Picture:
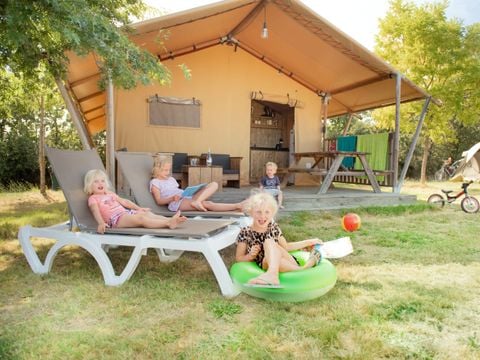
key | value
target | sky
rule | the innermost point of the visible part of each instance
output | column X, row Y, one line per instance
column 358, row 19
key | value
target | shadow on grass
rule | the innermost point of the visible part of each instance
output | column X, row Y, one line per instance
column 75, row 262
column 26, row 207
column 38, row 215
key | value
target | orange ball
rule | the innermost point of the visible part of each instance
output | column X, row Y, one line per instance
column 351, row 222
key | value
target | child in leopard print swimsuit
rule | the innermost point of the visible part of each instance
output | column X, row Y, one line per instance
column 264, row 243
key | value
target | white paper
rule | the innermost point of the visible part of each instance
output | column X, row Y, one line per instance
column 338, row 248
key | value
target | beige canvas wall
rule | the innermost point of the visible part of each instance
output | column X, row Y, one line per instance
column 222, row 80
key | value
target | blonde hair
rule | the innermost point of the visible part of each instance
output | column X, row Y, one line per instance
column 272, row 164
column 261, row 200
column 159, row 162
column 155, row 171
column 90, row 177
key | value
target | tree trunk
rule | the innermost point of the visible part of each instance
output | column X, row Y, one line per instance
column 41, row 149
column 426, row 153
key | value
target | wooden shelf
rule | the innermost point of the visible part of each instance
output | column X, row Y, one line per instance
column 265, row 126
column 266, row 122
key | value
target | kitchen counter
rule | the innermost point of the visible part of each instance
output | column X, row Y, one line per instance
column 259, row 156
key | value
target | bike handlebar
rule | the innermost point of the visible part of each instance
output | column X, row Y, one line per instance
column 465, row 185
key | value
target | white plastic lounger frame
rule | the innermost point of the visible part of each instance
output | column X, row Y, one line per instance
column 205, row 236
column 95, row 245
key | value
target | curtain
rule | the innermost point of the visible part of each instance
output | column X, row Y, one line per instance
column 347, row 143
column 170, row 111
column 377, row 147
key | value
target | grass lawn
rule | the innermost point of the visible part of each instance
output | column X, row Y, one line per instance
column 410, row 290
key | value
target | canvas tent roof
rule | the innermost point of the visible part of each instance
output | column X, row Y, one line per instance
column 301, row 45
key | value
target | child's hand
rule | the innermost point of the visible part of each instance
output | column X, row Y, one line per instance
column 143, row 209
column 176, row 197
column 313, row 242
column 254, row 250
column 101, row 228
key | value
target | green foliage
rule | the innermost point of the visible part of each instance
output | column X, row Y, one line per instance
column 40, row 33
column 224, row 309
column 440, row 55
column 18, row 155
column 35, row 37
column 100, row 141
column 360, row 124
column 20, row 110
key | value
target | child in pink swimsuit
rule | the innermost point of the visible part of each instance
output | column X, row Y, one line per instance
column 165, row 191
column 110, row 210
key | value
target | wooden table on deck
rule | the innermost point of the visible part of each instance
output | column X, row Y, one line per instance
column 328, row 175
column 199, row 174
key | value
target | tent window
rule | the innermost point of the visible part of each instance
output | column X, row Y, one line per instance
column 169, row 111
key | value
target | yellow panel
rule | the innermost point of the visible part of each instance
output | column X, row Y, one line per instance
column 222, row 80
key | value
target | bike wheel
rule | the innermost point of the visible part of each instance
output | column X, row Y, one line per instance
column 470, row 204
column 437, row 200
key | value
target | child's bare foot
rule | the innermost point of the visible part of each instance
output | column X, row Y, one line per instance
column 198, row 205
column 175, row 220
column 281, row 206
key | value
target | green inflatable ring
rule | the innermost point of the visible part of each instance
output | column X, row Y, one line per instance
column 298, row 285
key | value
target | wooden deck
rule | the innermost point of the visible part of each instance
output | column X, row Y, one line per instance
column 305, row 198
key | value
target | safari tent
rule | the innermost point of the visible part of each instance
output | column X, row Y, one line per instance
column 247, row 90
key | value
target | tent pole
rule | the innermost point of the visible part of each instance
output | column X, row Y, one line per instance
column 247, row 19
column 325, row 99
column 110, row 145
column 396, row 138
column 398, row 188
column 76, row 118
column 347, row 125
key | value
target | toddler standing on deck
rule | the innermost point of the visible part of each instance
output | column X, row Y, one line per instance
column 110, row 210
column 270, row 182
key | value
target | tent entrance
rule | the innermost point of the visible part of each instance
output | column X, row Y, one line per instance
column 270, row 127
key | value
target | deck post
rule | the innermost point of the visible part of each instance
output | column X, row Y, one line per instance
column 401, row 179
column 110, row 146
column 347, row 125
column 325, row 100
column 76, row 118
column 396, row 136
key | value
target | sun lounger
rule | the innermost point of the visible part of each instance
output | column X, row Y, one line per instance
column 207, row 236
column 136, row 168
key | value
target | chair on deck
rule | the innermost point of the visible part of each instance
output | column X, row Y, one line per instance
column 70, row 167
column 136, row 168
column 178, row 160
